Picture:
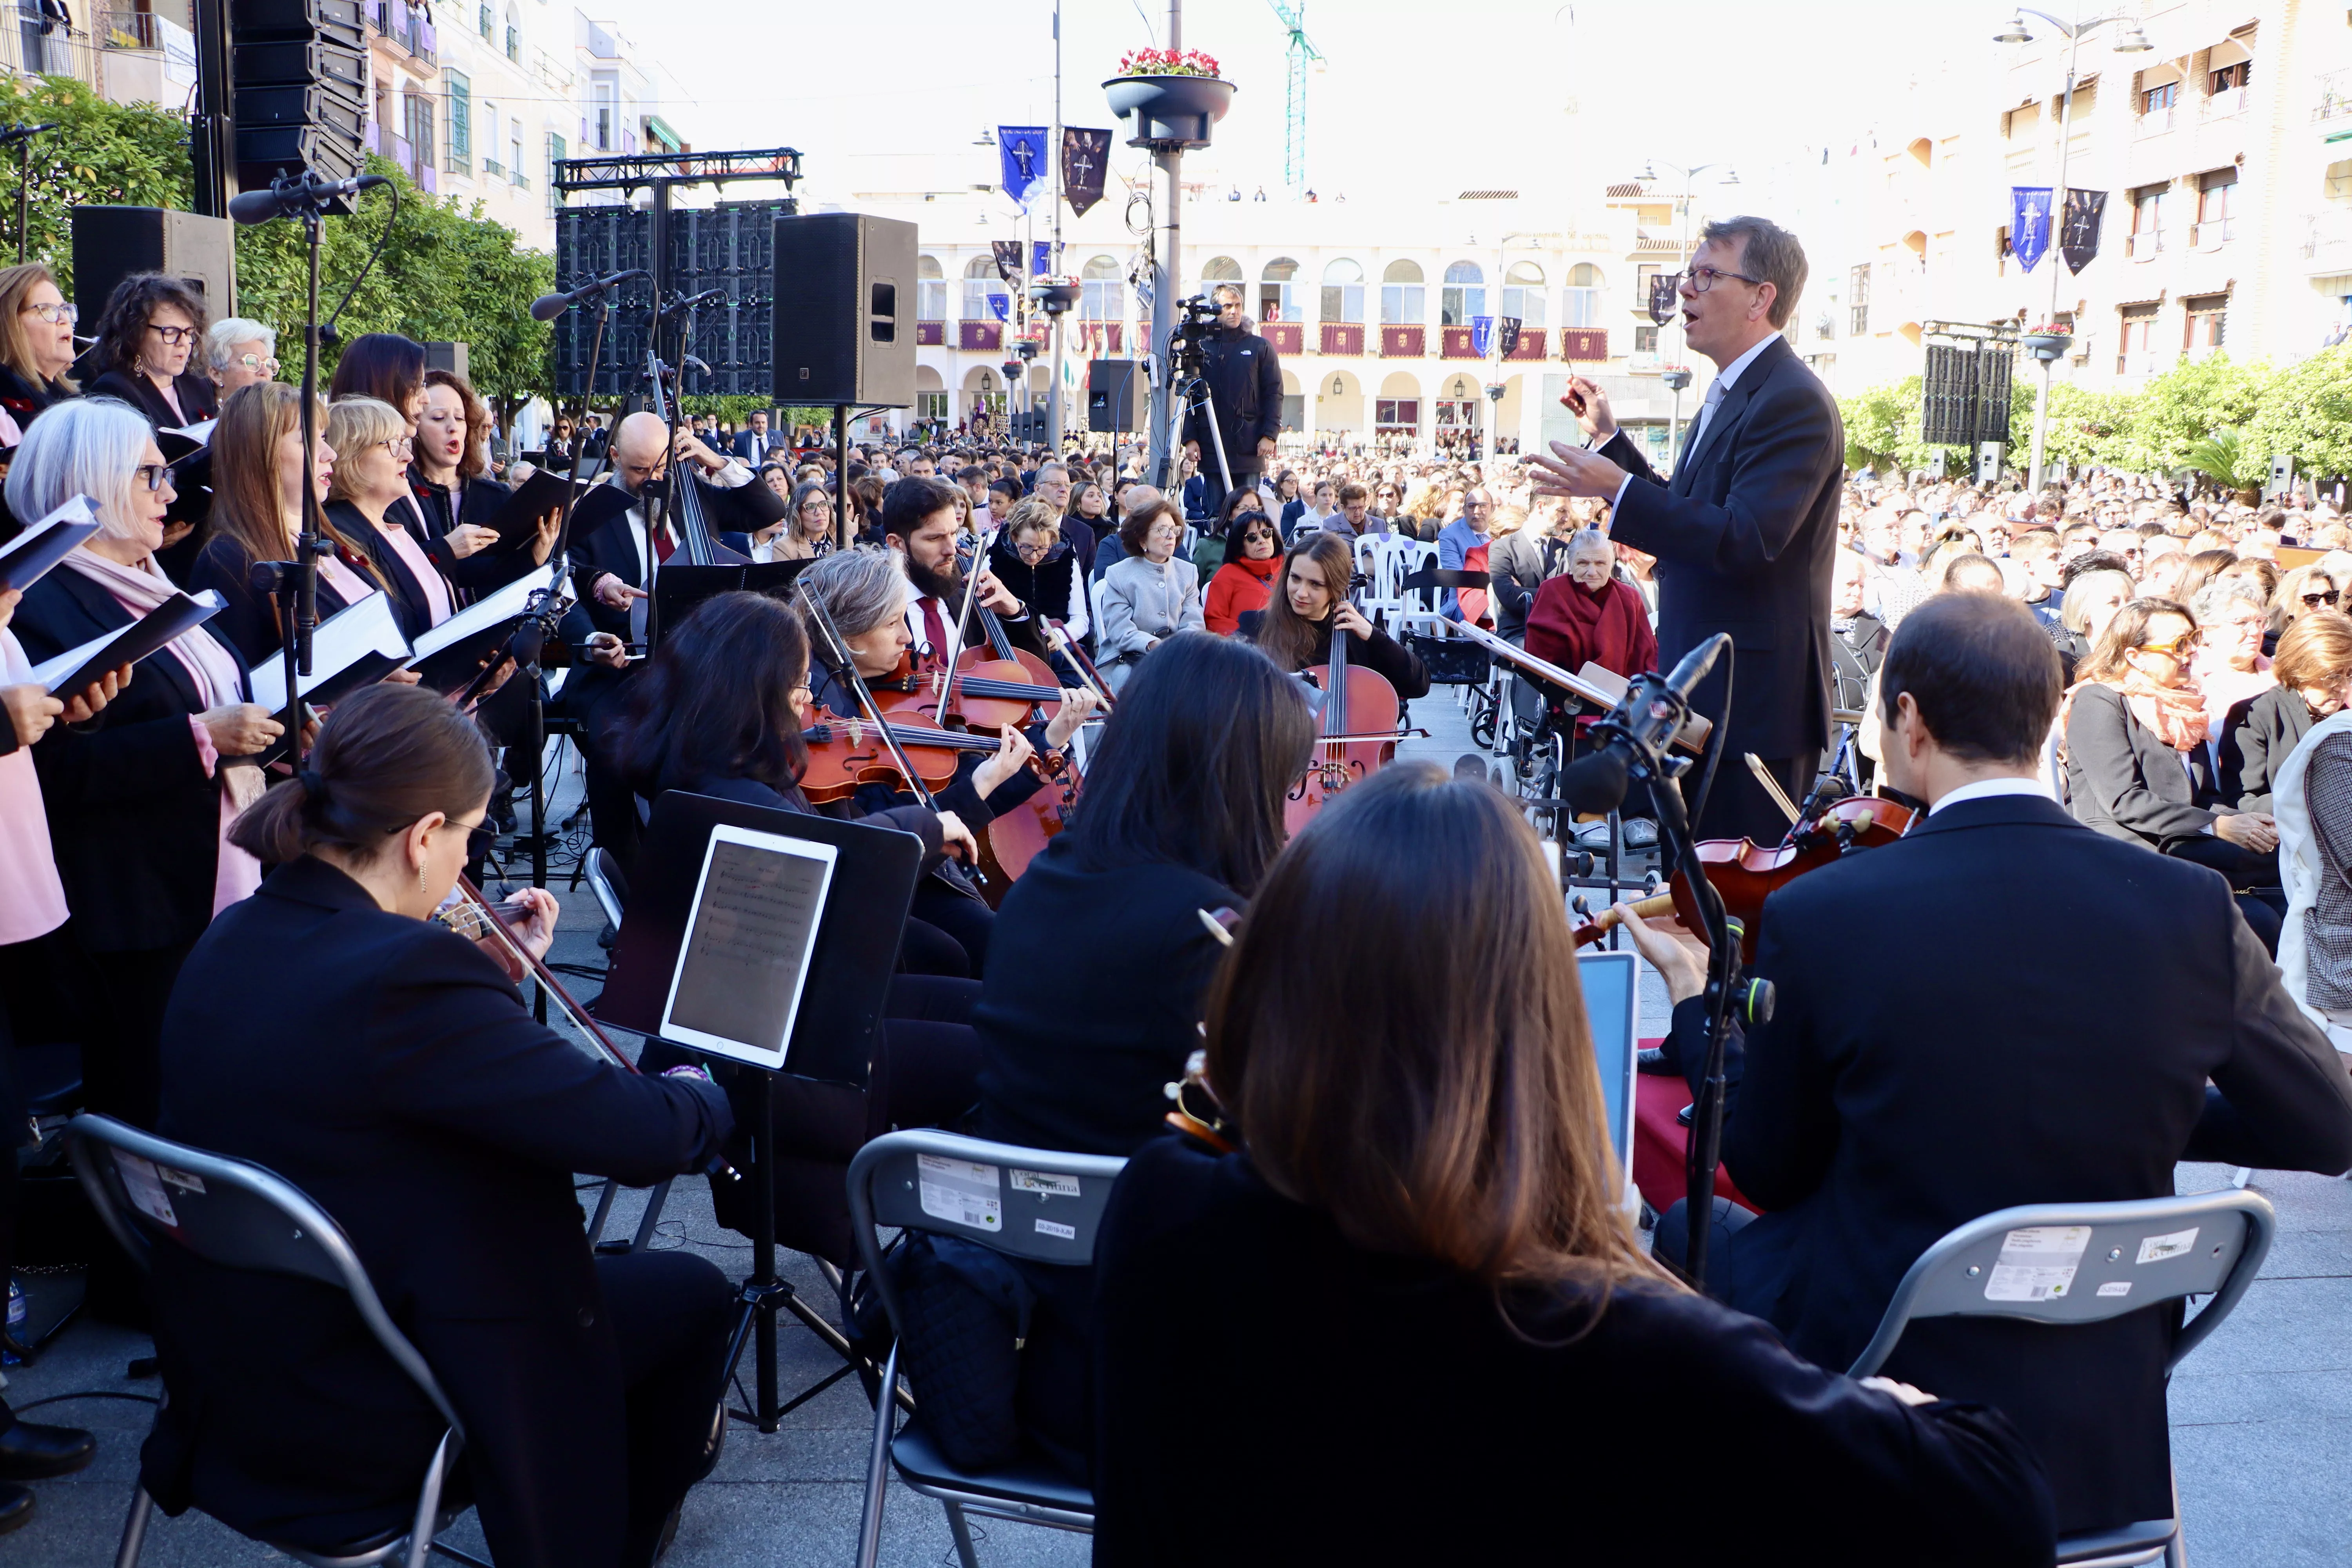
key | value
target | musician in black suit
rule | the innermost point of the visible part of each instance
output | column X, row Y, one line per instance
column 1895, row 1093
column 134, row 798
column 405, row 1087
column 1744, row 530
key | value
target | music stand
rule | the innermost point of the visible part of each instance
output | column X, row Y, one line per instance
column 680, row 585
column 871, row 888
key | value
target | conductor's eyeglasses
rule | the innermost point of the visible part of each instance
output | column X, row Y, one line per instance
column 1703, row 279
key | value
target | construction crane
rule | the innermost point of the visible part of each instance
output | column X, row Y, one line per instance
column 1293, row 14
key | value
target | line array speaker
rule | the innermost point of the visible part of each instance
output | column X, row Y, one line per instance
column 301, row 74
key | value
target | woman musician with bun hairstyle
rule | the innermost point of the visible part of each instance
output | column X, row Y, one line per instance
column 404, row 1085
column 1424, row 1184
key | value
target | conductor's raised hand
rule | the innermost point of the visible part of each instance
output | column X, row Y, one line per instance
column 1571, row 471
column 1585, row 399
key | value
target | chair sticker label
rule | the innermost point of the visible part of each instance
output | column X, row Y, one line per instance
column 2038, row 1263
column 960, row 1192
column 190, row 1183
column 2156, row 1249
column 144, row 1188
column 1045, row 1182
column 1065, row 1232
column 2116, row 1287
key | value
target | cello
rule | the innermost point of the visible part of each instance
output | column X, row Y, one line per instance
column 1356, row 732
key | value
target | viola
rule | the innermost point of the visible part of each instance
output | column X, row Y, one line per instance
column 845, row 753
column 1744, row 873
column 1019, row 836
column 1593, row 927
column 1355, row 735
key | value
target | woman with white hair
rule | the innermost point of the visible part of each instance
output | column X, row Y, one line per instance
column 240, row 353
column 139, row 801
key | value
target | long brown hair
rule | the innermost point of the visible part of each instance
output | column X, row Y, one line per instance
column 1448, row 1108
column 2127, row 632
column 385, row 758
column 246, row 502
column 1286, row 639
column 475, row 461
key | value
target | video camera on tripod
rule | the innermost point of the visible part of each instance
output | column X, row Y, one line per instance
column 1194, row 319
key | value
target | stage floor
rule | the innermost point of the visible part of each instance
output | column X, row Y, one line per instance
column 2262, row 1413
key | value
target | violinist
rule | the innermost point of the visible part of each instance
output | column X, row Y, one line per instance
column 866, row 594
column 919, row 529
column 405, row 1087
column 1309, row 600
column 1886, row 1101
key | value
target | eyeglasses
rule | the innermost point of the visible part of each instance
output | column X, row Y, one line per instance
column 2315, row 600
column 154, row 475
column 398, row 446
column 259, row 363
column 55, row 315
column 2178, row 647
column 1032, row 554
column 172, row 336
column 1703, row 280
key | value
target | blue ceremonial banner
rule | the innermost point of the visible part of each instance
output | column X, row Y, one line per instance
column 1482, row 335
column 1041, row 258
column 1000, row 303
column 1021, row 149
column 2029, row 227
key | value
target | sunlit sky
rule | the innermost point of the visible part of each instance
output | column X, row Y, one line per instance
column 1430, row 95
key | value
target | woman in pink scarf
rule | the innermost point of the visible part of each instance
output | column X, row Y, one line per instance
column 138, row 801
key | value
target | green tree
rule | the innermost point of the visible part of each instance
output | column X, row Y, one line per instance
column 1883, row 426
column 100, row 155
column 2308, row 416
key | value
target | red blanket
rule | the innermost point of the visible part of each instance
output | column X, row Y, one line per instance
column 1567, row 625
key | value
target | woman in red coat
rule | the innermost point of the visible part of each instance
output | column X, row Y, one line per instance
column 1253, row 555
column 1588, row 614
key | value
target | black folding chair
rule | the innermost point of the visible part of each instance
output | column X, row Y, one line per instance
column 1047, row 1207
column 2124, row 1256
column 152, row 1193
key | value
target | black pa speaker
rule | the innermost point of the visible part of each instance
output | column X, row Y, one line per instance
column 110, row 243
column 1110, row 395
column 301, row 70
column 844, row 310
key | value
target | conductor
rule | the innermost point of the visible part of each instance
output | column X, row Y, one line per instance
column 1745, row 531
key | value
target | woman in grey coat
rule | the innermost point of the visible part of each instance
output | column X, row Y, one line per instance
column 1149, row 594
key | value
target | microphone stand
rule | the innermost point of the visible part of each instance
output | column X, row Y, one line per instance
column 298, row 586
column 22, row 136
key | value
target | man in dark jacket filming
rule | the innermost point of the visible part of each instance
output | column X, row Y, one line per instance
column 1245, row 380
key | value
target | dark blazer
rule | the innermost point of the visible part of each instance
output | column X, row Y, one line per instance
column 410, row 607
column 1074, row 1052
column 751, row 445
column 403, row 1087
column 2122, row 779
column 250, row 622
column 608, row 547
column 24, row 397
column 1874, row 1117
column 1245, row 376
column 1553, row 1414
column 1744, row 535
column 2255, row 740
column 1516, row 565
column 134, row 821
column 482, row 495
column 199, row 398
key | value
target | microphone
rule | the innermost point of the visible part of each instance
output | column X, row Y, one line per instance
column 547, row 307
column 284, row 197
column 1639, row 729
column 18, row 132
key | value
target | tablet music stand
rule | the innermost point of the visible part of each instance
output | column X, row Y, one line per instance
column 833, row 1037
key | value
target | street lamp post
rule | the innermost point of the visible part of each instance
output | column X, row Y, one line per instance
column 2133, row 41
column 1679, row 376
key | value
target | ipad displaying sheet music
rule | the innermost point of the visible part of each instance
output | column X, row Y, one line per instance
column 749, row 934
column 1612, row 1006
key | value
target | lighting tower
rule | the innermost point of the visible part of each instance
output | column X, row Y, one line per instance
column 1293, row 14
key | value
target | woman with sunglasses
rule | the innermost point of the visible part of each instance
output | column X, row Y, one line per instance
column 2137, row 766
column 36, row 346
column 1243, row 582
column 2300, row 592
column 139, row 803
column 404, row 1086
column 149, row 329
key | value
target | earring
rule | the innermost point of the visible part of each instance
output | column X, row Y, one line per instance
column 420, row 879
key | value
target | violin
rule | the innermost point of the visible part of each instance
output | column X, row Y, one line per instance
column 1744, row 874
column 845, row 753
column 1354, row 733
column 1593, row 927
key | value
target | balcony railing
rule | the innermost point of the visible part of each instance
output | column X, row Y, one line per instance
column 2334, row 95
column 2142, row 362
column 2154, row 124
column 493, row 170
column 2211, row 234
column 403, row 24
column 2222, row 105
column 2328, row 241
column 2145, row 246
column 27, row 50
column 520, row 180
column 128, row 30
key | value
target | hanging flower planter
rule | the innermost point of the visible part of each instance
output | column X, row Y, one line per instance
column 1057, row 295
column 2048, row 345
column 1169, row 97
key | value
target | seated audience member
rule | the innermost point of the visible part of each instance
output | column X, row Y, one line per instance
column 1253, row 556
column 1588, row 616
column 1417, row 1177
column 1876, row 1109
column 2312, row 807
column 2313, row 671
column 1030, row 559
column 405, row 1087
column 1149, row 594
column 2138, row 766
column 2230, row 668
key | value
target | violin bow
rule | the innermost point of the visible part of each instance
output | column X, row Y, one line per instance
column 845, row 669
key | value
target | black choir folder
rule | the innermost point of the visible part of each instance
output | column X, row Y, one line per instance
column 716, row 945
column 452, row 653
column 76, row 667
column 27, row 558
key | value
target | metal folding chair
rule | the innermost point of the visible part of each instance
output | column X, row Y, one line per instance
column 2103, row 1260
column 1047, row 1207
column 154, row 1193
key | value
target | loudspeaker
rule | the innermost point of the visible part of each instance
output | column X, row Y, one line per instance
column 844, row 310
column 451, row 357
column 300, row 72
column 1989, row 463
column 1110, row 395
column 111, row 243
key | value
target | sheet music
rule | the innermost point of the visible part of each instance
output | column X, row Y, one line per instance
column 505, row 605
column 337, row 643
column 745, row 959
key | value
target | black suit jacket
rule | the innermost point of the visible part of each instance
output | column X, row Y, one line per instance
column 404, row 1085
column 134, row 821
column 1744, row 535
column 199, row 398
column 1890, row 1100
column 2255, row 740
column 410, row 607
column 2122, row 779
column 1533, row 1408
column 1518, row 565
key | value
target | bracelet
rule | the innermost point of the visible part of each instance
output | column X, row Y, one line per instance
column 686, row 1071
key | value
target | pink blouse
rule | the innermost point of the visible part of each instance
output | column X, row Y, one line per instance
column 32, row 900
column 404, row 544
